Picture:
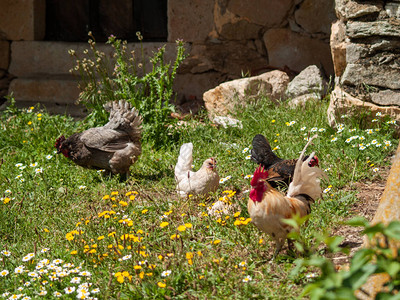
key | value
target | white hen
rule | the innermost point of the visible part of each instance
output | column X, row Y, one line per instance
column 205, row 180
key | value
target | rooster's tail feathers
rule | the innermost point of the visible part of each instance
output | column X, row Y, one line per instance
column 185, row 159
column 306, row 179
column 124, row 117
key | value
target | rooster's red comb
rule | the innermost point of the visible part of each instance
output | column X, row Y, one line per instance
column 259, row 173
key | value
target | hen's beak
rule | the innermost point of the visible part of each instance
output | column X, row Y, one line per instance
column 213, row 165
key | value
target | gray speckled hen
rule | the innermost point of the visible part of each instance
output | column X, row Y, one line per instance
column 113, row 147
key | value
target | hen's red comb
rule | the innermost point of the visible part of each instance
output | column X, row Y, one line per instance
column 59, row 142
column 259, row 173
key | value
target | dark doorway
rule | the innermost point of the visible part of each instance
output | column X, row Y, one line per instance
column 71, row 20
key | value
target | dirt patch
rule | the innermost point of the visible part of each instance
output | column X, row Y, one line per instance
column 369, row 194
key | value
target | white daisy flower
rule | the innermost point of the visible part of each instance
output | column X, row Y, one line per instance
column 165, row 273
column 49, row 156
column 247, row 278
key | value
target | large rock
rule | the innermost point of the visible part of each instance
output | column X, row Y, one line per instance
column 343, row 103
column 388, row 210
column 308, row 84
column 191, row 21
column 351, row 9
column 316, row 16
column 289, row 49
column 232, row 94
column 22, row 19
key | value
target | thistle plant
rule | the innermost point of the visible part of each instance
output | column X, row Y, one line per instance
column 125, row 76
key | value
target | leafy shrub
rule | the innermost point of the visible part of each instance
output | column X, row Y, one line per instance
column 124, row 77
column 375, row 259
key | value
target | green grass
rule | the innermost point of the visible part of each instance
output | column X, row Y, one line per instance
column 111, row 228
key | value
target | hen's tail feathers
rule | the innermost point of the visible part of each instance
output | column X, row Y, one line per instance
column 306, row 179
column 185, row 160
column 262, row 152
column 124, row 117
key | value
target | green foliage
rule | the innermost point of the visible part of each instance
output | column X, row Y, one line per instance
column 126, row 76
column 48, row 202
column 374, row 259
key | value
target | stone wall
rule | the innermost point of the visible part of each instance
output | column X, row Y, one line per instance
column 231, row 38
column 365, row 44
column 226, row 39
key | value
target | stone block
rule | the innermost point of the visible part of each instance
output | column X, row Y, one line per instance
column 357, row 29
column 268, row 13
column 351, row 9
column 31, row 58
column 289, row 49
column 374, row 75
column 342, row 103
column 316, row 16
column 338, row 47
column 23, row 19
column 191, row 21
column 45, row 90
column 4, row 54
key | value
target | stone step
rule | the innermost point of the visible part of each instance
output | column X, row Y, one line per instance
column 57, row 94
column 33, row 58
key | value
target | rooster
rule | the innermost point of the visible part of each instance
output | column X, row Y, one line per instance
column 268, row 207
column 280, row 171
column 113, row 147
column 205, row 180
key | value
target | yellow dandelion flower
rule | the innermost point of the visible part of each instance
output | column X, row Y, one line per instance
column 216, row 242
column 144, row 211
column 141, row 275
column 161, row 284
column 137, row 267
column 174, row 236
column 188, row 225
column 160, row 257
column 114, row 193
column 164, row 224
column 73, row 252
column 182, row 228
column 100, row 238
column 123, row 203
column 46, row 230
column 112, row 233
column 106, row 197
